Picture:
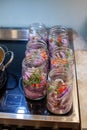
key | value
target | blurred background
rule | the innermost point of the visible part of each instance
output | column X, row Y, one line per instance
column 21, row 13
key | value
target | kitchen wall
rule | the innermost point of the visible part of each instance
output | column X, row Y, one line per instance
column 21, row 13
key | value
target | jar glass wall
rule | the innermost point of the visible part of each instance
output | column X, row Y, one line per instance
column 58, row 37
column 59, row 92
column 62, row 57
column 38, row 52
column 38, row 31
column 34, row 79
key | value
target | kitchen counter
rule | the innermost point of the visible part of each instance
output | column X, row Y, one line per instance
column 81, row 66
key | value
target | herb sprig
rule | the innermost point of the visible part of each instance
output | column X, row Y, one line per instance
column 33, row 79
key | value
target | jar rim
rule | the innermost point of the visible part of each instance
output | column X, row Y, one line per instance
column 59, row 29
column 29, row 63
column 64, row 49
column 39, row 24
column 55, row 72
column 33, row 43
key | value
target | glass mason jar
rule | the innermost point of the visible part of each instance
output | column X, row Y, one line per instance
column 34, row 78
column 38, row 31
column 62, row 57
column 38, row 52
column 59, row 92
column 58, row 37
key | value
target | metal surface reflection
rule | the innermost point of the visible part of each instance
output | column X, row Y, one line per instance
column 21, row 110
column 14, row 34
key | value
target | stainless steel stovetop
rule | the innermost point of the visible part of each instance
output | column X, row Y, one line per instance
column 15, row 109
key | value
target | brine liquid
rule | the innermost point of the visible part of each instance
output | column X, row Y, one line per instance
column 1, row 55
